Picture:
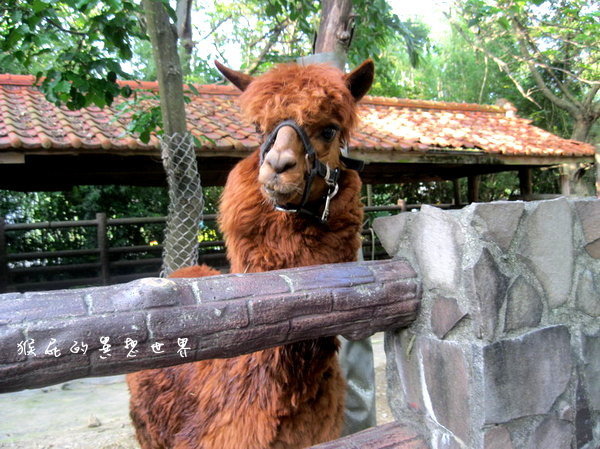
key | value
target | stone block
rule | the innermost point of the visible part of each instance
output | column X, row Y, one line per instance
column 490, row 290
column 584, row 422
column 445, row 315
column 547, row 245
column 524, row 306
column 390, row 230
column 498, row 221
column 438, row 239
column 593, row 249
column 588, row 212
column 524, row 376
column 445, row 368
column 591, row 369
column 588, row 293
column 552, row 433
column 498, row 437
column 403, row 373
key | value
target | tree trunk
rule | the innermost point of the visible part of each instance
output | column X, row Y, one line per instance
column 581, row 132
column 179, row 158
column 336, row 28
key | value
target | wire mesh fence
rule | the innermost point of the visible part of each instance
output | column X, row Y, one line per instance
column 185, row 202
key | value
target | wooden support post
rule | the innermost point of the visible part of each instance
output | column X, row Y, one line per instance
column 3, row 257
column 473, row 194
column 381, row 437
column 174, row 321
column 456, row 189
column 369, row 195
column 103, row 248
column 525, row 182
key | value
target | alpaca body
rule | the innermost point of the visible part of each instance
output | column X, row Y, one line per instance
column 288, row 397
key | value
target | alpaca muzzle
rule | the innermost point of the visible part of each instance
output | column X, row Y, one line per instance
column 314, row 168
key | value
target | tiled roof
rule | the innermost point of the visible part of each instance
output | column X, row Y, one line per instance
column 29, row 123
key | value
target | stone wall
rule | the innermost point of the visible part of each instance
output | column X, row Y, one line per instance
column 506, row 351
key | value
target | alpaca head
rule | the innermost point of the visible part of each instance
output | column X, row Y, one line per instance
column 321, row 100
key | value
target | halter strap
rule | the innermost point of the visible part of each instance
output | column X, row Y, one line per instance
column 318, row 168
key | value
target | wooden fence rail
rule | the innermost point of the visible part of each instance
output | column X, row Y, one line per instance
column 51, row 337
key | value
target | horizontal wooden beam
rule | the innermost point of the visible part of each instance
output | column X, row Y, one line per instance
column 388, row 436
column 52, row 337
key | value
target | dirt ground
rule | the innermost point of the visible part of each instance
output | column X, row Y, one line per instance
column 93, row 413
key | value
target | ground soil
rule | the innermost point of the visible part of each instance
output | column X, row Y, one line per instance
column 93, row 413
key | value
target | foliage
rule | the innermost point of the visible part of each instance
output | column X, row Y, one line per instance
column 76, row 47
column 553, row 44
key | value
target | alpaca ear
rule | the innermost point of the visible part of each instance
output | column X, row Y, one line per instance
column 360, row 79
column 239, row 79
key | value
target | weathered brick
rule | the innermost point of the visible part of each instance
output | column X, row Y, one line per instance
column 40, row 306
column 242, row 341
column 198, row 320
column 219, row 288
column 392, row 270
column 390, row 292
column 137, row 295
column 280, row 308
column 9, row 340
column 517, row 380
column 331, row 324
column 88, row 330
column 37, row 372
column 329, row 276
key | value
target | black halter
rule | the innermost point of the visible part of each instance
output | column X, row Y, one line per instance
column 318, row 168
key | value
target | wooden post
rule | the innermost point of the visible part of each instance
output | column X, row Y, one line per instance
column 103, row 248
column 525, row 182
column 369, row 195
column 473, row 193
column 3, row 258
column 456, row 187
column 565, row 184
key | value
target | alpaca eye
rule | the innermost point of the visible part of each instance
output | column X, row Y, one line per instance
column 329, row 133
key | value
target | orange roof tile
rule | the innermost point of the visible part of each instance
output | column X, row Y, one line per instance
column 29, row 123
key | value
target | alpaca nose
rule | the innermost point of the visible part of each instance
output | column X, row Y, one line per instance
column 281, row 160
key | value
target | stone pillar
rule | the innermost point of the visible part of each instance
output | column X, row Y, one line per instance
column 506, row 351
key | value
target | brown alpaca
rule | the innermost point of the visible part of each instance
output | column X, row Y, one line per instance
column 290, row 396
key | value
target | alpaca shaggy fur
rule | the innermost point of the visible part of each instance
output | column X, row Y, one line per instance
column 290, row 396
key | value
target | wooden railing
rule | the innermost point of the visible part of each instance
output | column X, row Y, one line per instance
column 103, row 263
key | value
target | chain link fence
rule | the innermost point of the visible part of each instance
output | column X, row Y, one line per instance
column 185, row 202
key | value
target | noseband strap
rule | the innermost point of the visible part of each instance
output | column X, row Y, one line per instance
column 315, row 168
